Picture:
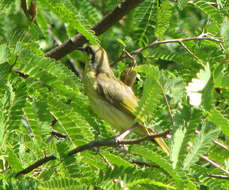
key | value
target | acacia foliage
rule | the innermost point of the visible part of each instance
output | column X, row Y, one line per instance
column 183, row 87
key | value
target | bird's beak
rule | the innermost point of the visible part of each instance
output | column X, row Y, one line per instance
column 81, row 48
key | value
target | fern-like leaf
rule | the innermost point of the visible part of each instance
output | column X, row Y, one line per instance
column 13, row 159
column 150, row 182
column 47, row 71
column 4, row 73
column 116, row 160
column 17, row 104
column 67, row 15
column 164, row 54
column 176, row 145
column 61, row 183
column 160, row 161
column 145, row 15
column 88, row 11
column 200, row 145
column 201, row 174
column 221, row 76
column 4, row 53
column 151, row 93
column 34, row 126
column 182, row 3
column 213, row 13
column 163, row 19
column 5, row 4
column 218, row 119
column 74, row 124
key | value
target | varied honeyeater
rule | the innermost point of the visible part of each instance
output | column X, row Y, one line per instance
column 110, row 98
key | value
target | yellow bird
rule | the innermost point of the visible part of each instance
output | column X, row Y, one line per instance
column 110, row 98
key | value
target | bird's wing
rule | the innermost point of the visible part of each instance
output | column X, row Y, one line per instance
column 117, row 93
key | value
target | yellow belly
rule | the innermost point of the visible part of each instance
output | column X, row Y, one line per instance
column 116, row 118
column 111, row 114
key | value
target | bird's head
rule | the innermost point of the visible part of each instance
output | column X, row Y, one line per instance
column 96, row 59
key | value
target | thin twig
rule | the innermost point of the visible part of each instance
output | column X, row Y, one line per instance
column 131, row 57
column 106, row 160
column 168, row 106
column 214, row 164
column 189, row 51
column 212, row 4
column 221, row 145
column 219, row 176
column 138, row 51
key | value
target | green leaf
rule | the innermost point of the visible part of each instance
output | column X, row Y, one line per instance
column 201, row 145
column 74, row 125
column 149, row 182
column 61, row 183
column 116, row 160
column 145, row 15
column 34, row 126
column 182, row 3
column 163, row 19
column 4, row 53
column 73, row 18
column 161, row 162
column 176, row 145
column 175, row 87
column 13, row 159
column 221, row 76
column 207, row 95
column 216, row 117
column 213, row 13
column 225, row 33
column 17, row 105
column 4, row 73
column 151, row 92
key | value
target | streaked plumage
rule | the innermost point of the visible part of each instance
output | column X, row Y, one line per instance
column 110, row 98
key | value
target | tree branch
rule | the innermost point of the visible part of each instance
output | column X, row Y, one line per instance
column 58, row 134
column 36, row 165
column 111, row 142
column 181, row 40
column 109, row 20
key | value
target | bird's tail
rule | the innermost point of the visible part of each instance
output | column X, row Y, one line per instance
column 142, row 131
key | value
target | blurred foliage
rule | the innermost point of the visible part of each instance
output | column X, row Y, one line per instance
column 181, row 87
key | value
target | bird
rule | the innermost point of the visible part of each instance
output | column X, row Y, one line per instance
column 110, row 98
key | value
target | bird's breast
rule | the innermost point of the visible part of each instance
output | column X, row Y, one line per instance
column 90, row 84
